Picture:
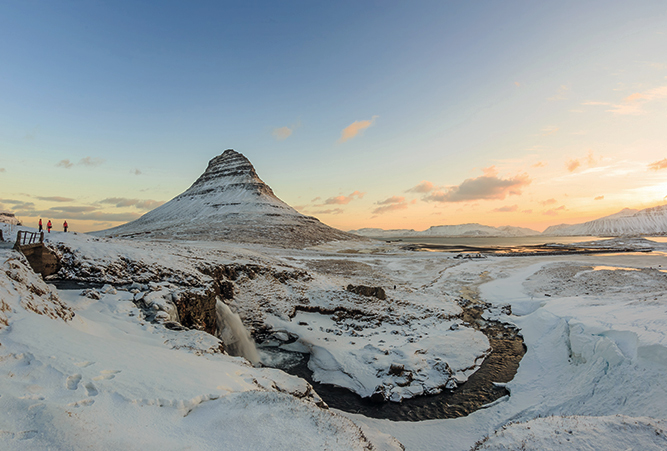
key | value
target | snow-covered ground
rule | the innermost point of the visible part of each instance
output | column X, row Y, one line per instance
column 82, row 373
column 578, row 433
column 596, row 339
column 595, row 327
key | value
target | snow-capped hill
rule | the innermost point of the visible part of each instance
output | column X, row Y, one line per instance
column 375, row 232
column 9, row 218
column 517, row 231
column 650, row 221
column 473, row 229
column 230, row 202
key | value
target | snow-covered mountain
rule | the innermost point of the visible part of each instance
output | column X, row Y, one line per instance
column 473, row 229
column 650, row 221
column 9, row 218
column 230, row 202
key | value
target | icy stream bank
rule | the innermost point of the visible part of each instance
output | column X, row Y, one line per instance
column 483, row 387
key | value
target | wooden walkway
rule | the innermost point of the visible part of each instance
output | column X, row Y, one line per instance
column 26, row 239
column 40, row 257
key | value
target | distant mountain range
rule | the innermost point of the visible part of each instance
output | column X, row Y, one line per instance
column 230, row 202
column 650, row 221
column 471, row 230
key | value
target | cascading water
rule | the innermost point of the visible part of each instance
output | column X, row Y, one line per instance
column 234, row 335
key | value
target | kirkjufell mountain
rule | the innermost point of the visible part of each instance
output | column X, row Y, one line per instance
column 230, row 202
column 650, row 221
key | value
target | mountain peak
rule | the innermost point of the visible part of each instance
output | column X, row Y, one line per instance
column 230, row 171
column 230, row 202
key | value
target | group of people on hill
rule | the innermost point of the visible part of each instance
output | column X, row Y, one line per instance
column 49, row 226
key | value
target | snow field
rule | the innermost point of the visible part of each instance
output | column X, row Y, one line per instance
column 579, row 433
column 595, row 339
column 107, row 378
column 589, row 356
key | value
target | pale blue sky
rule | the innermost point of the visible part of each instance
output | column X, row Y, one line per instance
column 136, row 97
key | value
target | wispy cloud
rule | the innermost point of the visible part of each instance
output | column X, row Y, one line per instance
column 18, row 204
column 554, row 211
column 332, row 211
column 73, row 209
column 65, row 164
column 355, row 128
column 142, row 204
column 589, row 159
column 561, row 94
column 136, row 172
column 90, row 161
column 657, row 165
column 424, row 187
column 634, row 103
column 483, row 187
column 539, row 164
column 56, row 199
column 599, row 197
column 392, row 200
column 86, row 161
column 391, row 207
column 550, row 130
column 593, row 103
column 491, row 171
column 506, row 209
column 83, row 215
column 344, row 200
column 549, row 202
column 281, row 133
column 391, row 204
column 3, row 170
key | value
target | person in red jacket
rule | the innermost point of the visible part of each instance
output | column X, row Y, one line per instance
column 40, row 225
column 65, row 226
column 48, row 226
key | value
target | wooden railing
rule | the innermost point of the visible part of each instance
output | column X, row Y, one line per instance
column 24, row 238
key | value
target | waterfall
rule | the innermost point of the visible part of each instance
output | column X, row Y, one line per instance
column 234, row 335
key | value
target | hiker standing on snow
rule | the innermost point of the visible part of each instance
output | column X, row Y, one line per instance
column 48, row 226
column 40, row 224
column 65, row 226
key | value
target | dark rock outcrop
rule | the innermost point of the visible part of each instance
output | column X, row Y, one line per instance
column 377, row 292
column 196, row 309
column 42, row 259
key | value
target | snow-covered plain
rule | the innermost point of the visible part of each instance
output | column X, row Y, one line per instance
column 595, row 327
